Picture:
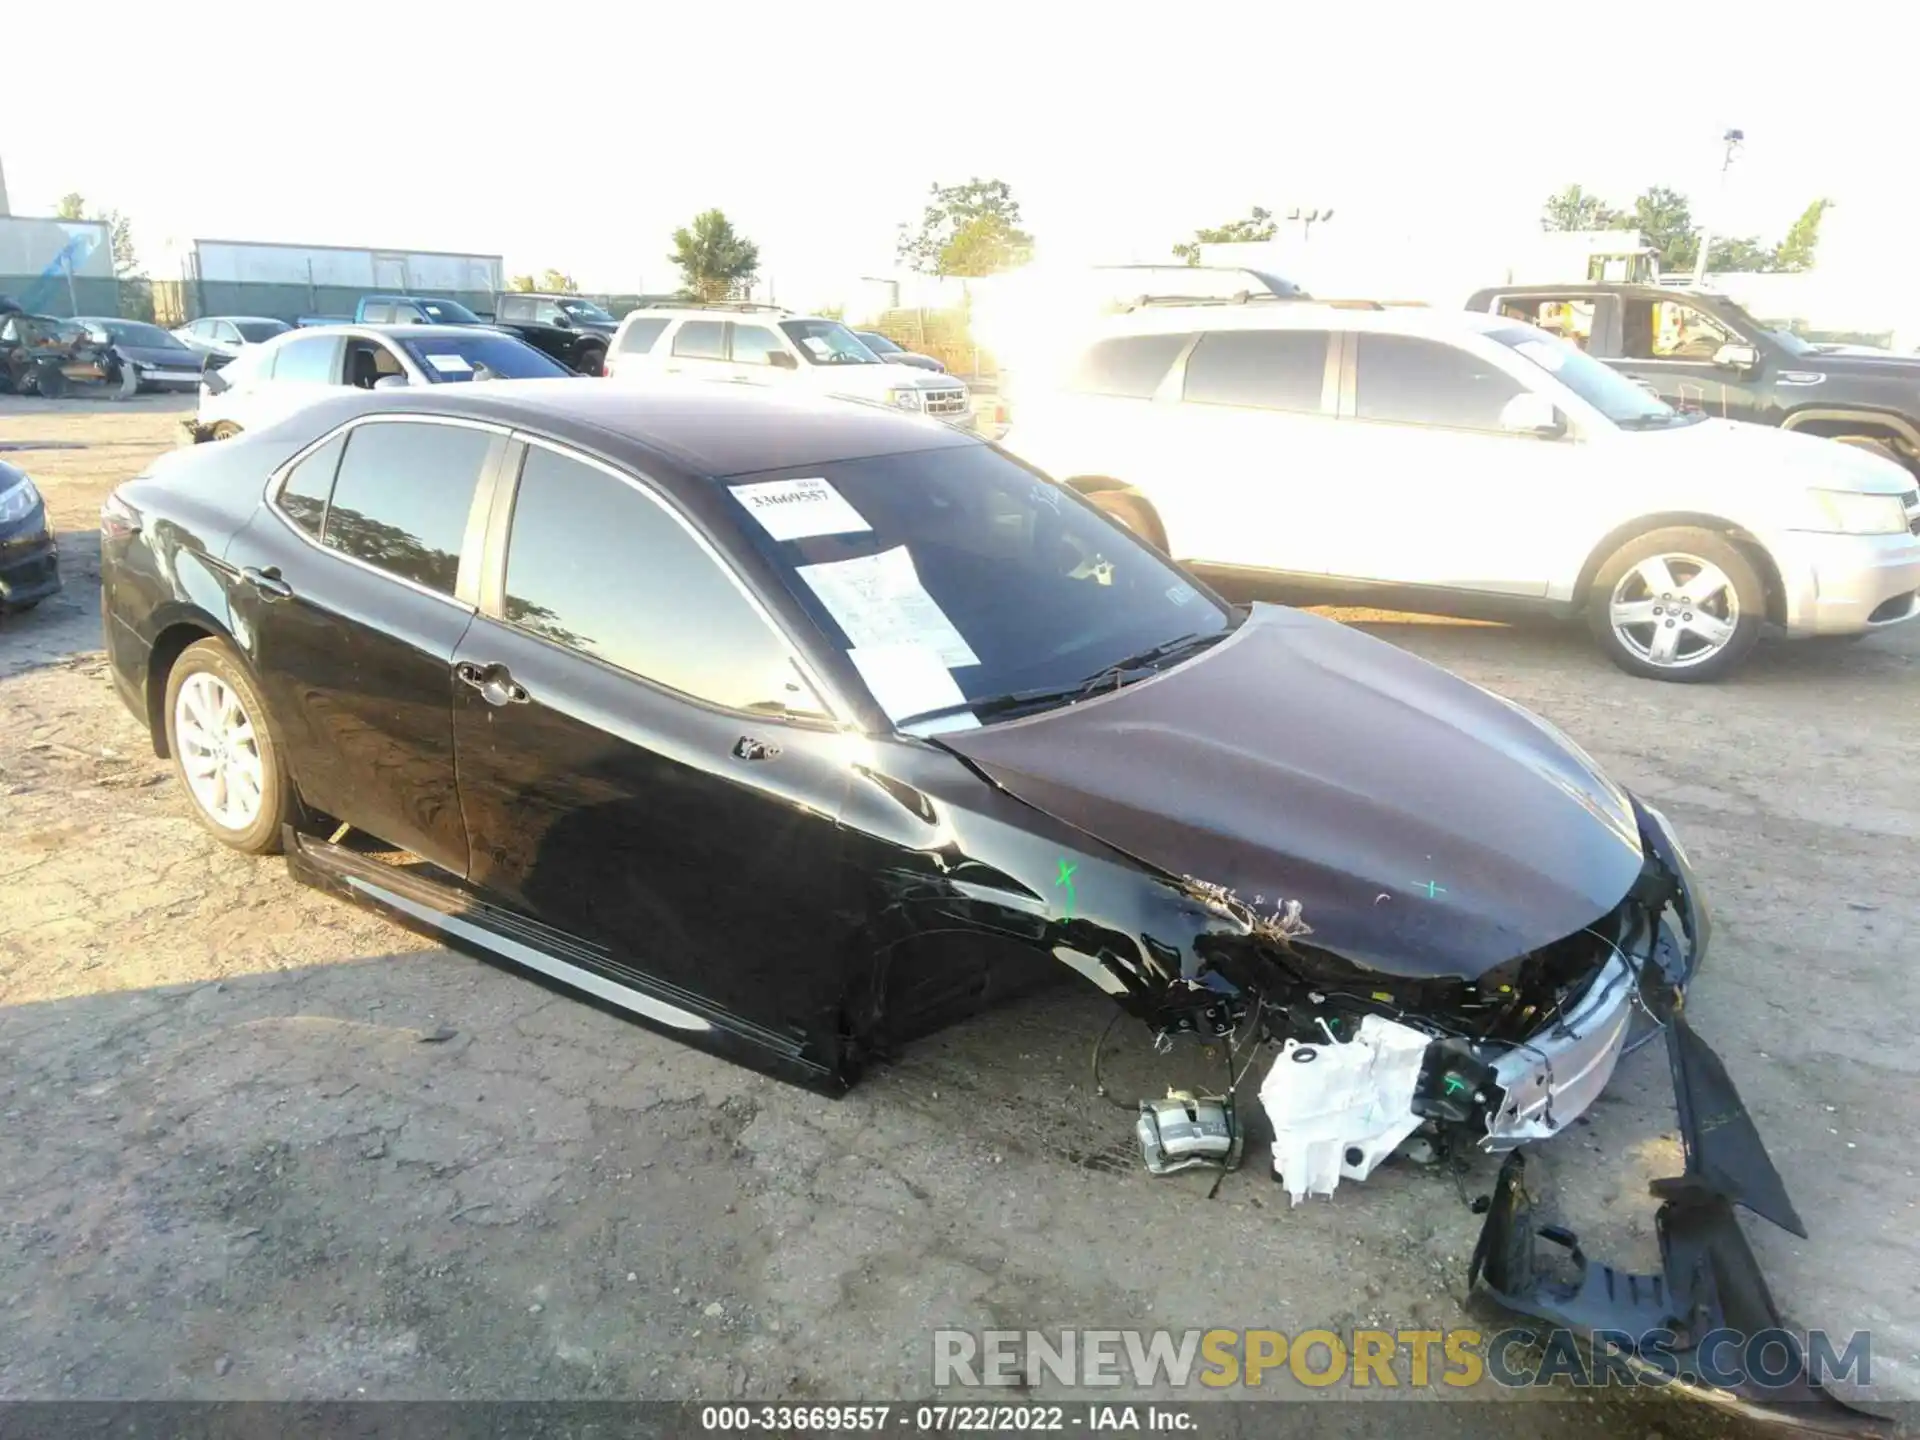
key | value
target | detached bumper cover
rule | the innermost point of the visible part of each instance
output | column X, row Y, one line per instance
column 1709, row 1283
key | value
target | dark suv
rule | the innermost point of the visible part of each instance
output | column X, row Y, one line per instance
column 1701, row 352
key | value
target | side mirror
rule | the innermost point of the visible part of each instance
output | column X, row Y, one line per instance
column 781, row 360
column 391, row 382
column 1531, row 414
column 563, row 320
column 1736, row 357
column 216, row 383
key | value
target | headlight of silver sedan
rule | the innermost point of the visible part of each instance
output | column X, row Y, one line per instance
column 1855, row 512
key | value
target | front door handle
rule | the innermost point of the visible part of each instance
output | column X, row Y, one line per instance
column 494, row 682
column 267, row 581
column 748, row 748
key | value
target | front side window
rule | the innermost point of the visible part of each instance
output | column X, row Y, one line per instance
column 598, row 566
column 586, row 311
column 253, row 331
column 303, row 497
column 308, row 360
column 446, row 312
column 1129, row 366
column 701, row 340
column 1671, row 330
column 1264, row 369
column 400, row 502
column 754, row 344
column 828, row 342
column 639, row 336
column 1412, row 381
column 970, row 569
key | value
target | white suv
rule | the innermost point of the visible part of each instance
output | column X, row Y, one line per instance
column 765, row 345
column 1470, row 464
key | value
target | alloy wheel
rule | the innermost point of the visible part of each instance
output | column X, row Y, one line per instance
column 1674, row 611
column 219, row 751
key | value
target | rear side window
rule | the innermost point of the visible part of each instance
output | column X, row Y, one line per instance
column 1422, row 382
column 599, row 567
column 377, row 314
column 309, row 359
column 303, row 499
column 1131, row 366
column 701, row 340
column 514, row 307
column 638, row 337
column 752, row 344
column 400, row 501
column 1263, row 369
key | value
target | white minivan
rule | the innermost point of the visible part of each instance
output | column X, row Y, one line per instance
column 752, row 344
column 1469, row 464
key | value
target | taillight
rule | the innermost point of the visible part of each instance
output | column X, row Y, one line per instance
column 118, row 519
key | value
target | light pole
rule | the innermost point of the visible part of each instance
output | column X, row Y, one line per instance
column 1732, row 140
column 1308, row 219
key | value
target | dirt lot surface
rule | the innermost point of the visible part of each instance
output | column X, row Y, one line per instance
column 260, row 1144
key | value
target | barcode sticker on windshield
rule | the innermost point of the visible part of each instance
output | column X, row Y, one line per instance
column 796, row 509
column 450, row 364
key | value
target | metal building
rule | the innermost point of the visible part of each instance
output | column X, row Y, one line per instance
column 58, row 267
column 245, row 277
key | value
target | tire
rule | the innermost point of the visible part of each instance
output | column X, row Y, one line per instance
column 225, row 755
column 1134, row 513
column 1652, row 578
column 1877, row 446
column 592, row 362
column 224, row 430
column 49, row 380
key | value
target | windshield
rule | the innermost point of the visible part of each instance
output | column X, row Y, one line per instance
column 255, row 331
column 1615, row 396
column 138, row 334
column 587, row 310
column 956, row 575
column 454, row 358
column 828, row 342
column 448, row 312
column 1794, row 345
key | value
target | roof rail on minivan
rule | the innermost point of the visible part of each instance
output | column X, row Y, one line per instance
column 718, row 305
column 1243, row 297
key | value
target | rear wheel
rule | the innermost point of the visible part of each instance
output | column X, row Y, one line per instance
column 1133, row 512
column 223, row 748
column 1683, row 604
column 225, row 430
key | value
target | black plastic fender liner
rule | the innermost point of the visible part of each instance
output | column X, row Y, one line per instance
column 1725, row 1155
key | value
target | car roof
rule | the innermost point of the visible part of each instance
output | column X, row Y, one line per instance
column 766, row 316
column 250, row 319
column 397, row 332
column 1602, row 287
column 701, row 429
column 1303, row 315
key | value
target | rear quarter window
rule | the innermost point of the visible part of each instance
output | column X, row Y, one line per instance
column 1128, row 366
column 638, row 337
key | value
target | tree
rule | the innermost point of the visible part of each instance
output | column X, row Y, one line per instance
column 715, row 261
column 1574, row 209
column 1796, row 251
column 970, row 229
column 551, row 282
column 1665, row 218
column 1259, row 225
column 522, row 284
column 1745, row 254
column 126, row 261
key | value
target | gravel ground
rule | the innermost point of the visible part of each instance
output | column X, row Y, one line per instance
column 260, row 1144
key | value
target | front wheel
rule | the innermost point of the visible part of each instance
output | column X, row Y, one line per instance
column 592, row 362
column 1683, row 604
column 224, row 752
column 225, row 430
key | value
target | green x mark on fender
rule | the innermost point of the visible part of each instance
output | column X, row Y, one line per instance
column 1066, row 879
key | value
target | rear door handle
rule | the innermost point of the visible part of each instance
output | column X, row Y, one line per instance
column 267, row 581
column 494, row 682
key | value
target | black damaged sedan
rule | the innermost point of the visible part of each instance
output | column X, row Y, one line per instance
column 797, row 728
column 29, row 554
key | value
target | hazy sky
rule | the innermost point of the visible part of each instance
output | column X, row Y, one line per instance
column 580, row 135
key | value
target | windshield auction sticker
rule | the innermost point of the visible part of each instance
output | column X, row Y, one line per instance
column 796, row 509
column 879, row 601
column 450, row 364
column 909, row 680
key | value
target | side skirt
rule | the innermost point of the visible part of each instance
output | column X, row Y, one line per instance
column 446, row 911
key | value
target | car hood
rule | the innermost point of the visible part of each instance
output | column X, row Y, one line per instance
column 1428, row 827
column 1784, row 455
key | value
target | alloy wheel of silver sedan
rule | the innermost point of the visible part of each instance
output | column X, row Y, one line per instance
column 1674, row 611
column 219, row 751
